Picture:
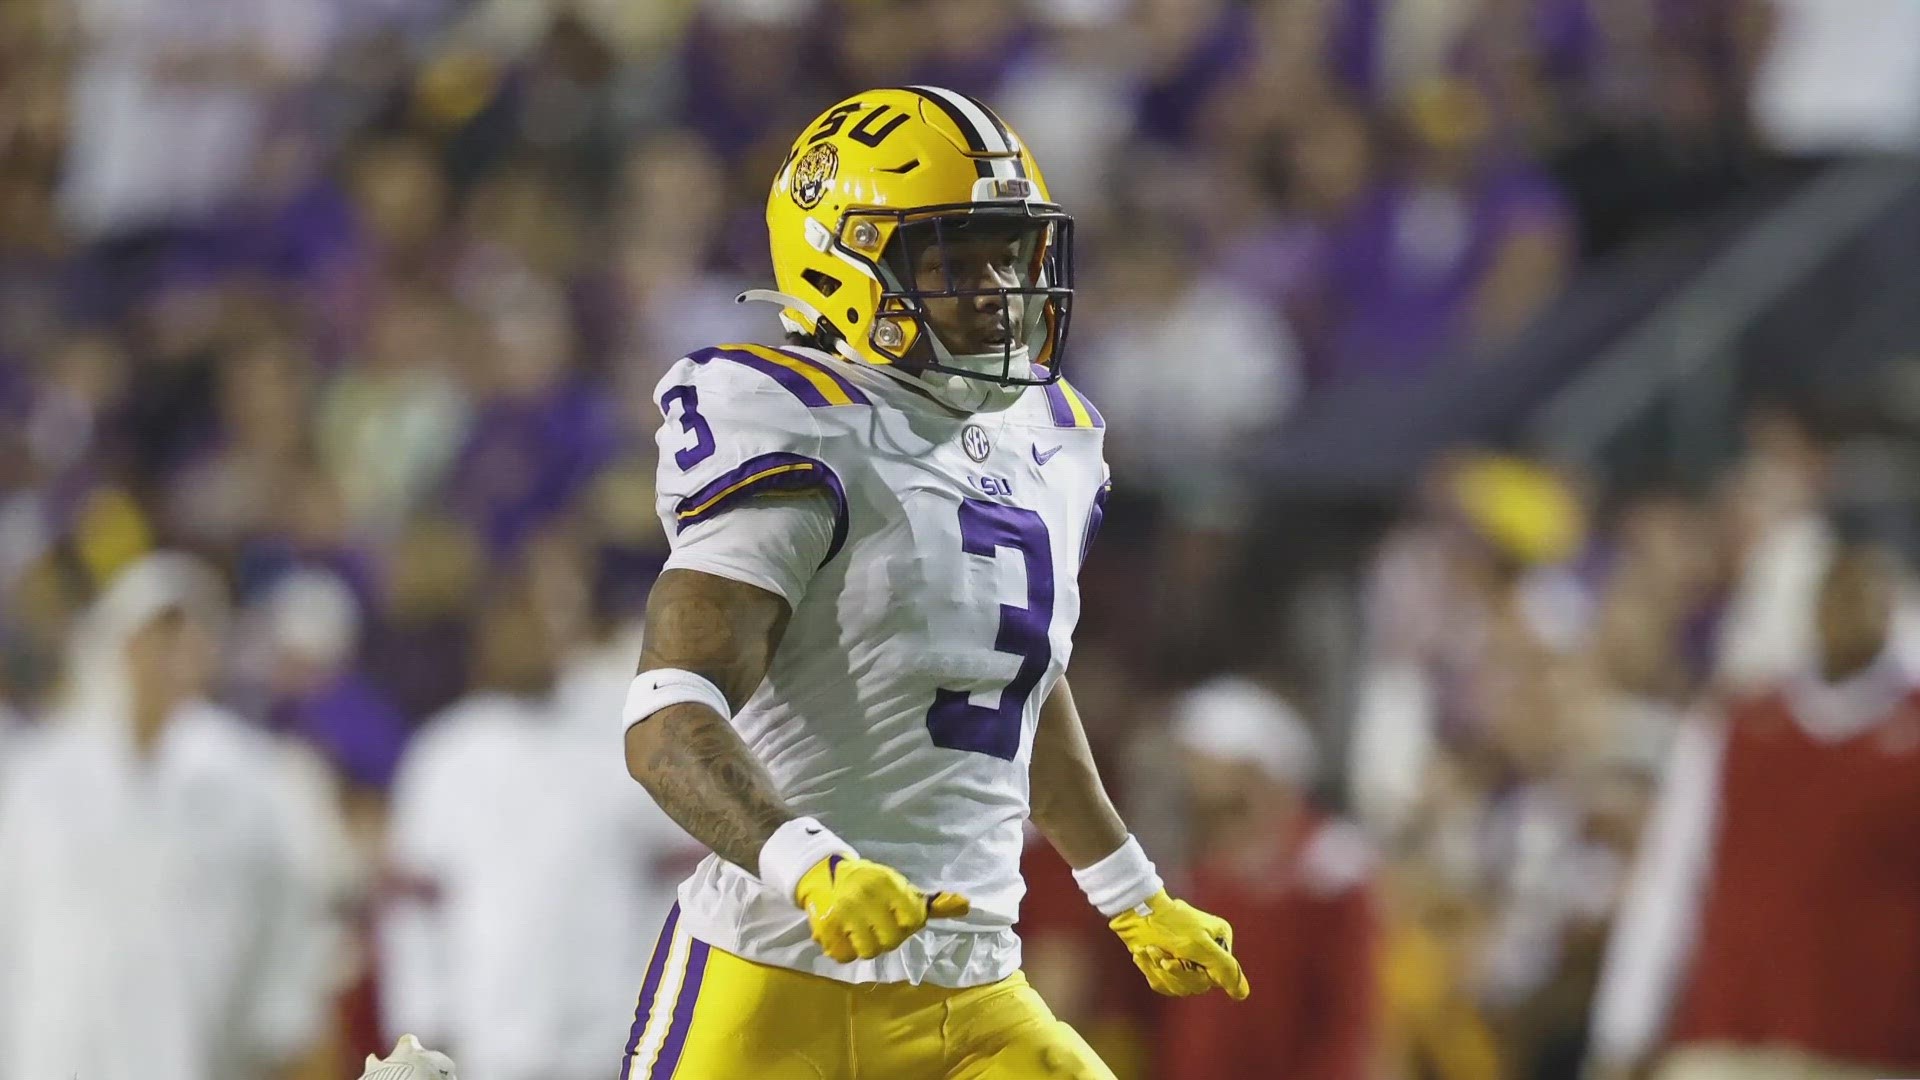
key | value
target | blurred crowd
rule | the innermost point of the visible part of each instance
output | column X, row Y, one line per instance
column 1532, row 651
column 353, row 307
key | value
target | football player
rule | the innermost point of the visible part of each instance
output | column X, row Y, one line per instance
column 851, row 684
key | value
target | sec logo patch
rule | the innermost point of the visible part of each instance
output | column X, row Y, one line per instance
column 812, row 172
column 973, row 439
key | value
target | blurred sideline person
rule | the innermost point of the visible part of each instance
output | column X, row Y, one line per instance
column 12, row 729
column 529, row 872
column 316, row 689
column 1773, row 929
column 1296, row 883
column 593, row 677
column 163, row 902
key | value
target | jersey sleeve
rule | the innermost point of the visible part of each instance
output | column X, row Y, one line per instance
column 770, row 544
column 1097, row 512
column 1653, row 936
column 739, row 431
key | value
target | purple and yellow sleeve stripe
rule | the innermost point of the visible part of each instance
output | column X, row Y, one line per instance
column 1070, row 408
column 815, row 383
column 764, row 474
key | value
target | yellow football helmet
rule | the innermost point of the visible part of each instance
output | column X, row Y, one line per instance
column 907, row 167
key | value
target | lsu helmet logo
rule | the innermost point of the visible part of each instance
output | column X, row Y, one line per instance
column 811, row 173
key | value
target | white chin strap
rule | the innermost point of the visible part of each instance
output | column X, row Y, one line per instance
column 976, row 395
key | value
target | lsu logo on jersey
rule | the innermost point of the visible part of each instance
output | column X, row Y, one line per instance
column 994, row 485
column 811, row 173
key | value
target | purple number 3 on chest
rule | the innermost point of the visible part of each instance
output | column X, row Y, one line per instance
column 956, row 723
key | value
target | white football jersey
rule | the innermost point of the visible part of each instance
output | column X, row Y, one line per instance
column 901, row 705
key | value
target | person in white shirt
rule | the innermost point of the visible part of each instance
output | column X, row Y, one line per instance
column 1839, row 77
column 163, row 909
column 11, row 729
column 529, row 872
column 171, row 101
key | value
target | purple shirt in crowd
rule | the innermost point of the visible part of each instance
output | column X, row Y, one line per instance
column 1394, row 284
column 350, row 722
column 528, row 459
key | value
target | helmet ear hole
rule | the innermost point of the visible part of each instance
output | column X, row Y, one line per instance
column 826, row 283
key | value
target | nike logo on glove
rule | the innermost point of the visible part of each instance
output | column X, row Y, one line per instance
column 1041, row 457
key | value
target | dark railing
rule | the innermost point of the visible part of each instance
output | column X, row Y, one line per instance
column 1371, row 441
column 1804, row 307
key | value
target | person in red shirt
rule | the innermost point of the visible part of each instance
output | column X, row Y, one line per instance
column 1070, row 957
column 1773, row 929
column 1297, row 886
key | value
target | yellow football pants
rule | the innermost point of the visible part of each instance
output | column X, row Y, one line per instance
column 706, row 1014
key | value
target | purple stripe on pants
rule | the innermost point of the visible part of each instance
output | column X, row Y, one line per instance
column 676, row 1043
column 649, row 988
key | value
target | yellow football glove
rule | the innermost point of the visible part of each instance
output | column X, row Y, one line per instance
column 1181, row 950
column 859, row 909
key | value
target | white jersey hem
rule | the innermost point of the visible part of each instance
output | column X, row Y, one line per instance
column 716, row 908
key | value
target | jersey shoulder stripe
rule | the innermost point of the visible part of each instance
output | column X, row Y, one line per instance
column 766, row 474
column 814, row 383
column 1071, row 408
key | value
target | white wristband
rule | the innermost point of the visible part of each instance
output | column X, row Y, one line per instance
column 1122, row 880
column 651, row 691
column 795, row 848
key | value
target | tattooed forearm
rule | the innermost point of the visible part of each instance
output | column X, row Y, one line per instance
column 695, row 766
column 687, row 756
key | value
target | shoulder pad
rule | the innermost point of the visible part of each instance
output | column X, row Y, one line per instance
column 813, row 382
column 738, row 423
column 1070, row 408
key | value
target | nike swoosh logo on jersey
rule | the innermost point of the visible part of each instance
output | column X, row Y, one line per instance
column 1041, row 457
